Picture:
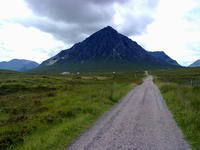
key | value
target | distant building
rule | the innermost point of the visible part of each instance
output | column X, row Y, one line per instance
column 65, row 73
column 78, row 73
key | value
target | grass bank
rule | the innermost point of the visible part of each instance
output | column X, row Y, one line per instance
column 47, row 112
column 181, row 90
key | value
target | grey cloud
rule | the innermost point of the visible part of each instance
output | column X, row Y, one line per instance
column 136, row 25
column 78, row 11
column 136, row 22
column 73, row 20
column 69, row 33
column 152, row 3
column 70, row 20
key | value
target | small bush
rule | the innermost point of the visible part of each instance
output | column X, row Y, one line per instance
column 11, row 88
column 90, row 110
column 10, row 138
column 167, row 87
column 51, row 119
column 17, row 118
column 67, row 114
column 51, row 94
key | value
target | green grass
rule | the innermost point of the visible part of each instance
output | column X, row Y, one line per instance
column 47, row 112
column 99, row 66
column 181, row 90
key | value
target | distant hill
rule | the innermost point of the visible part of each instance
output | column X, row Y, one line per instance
column 18, row 65
column 106, row 51
column 163, row 57
column 195, row 64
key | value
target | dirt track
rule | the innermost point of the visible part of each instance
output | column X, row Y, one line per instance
column 139, row 122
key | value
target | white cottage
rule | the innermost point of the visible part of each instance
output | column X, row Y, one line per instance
column 65, row 73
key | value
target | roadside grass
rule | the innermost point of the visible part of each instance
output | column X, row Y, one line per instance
column 183, row 99
column 47, row 112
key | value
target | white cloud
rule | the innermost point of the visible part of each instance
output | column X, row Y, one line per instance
column 10, row 9
column 18, row 41
column 133, row 18
column 168, row 25
column 172, row 32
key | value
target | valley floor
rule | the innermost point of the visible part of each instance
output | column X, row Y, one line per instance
column 47, row 112
column 140, row 122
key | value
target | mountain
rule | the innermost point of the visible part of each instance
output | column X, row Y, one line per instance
column 163, row 57
column 106, row 51
column 195, row 64
column 18, row 65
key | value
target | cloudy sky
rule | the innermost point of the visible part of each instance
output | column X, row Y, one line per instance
column 37, row 30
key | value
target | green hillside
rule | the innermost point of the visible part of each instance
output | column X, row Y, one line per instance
column 101, row 66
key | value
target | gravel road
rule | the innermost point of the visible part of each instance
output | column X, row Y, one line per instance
column 141, row 121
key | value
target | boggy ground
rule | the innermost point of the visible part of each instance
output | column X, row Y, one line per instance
column 46, row 112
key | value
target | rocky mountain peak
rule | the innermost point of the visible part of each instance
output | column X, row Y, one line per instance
column 106, row 50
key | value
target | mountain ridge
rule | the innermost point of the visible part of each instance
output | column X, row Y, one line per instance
column 105, row 50
column 195, row 64
column 163, row 56
column 20, row 65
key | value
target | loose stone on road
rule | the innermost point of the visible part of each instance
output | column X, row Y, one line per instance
column 141, row 121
